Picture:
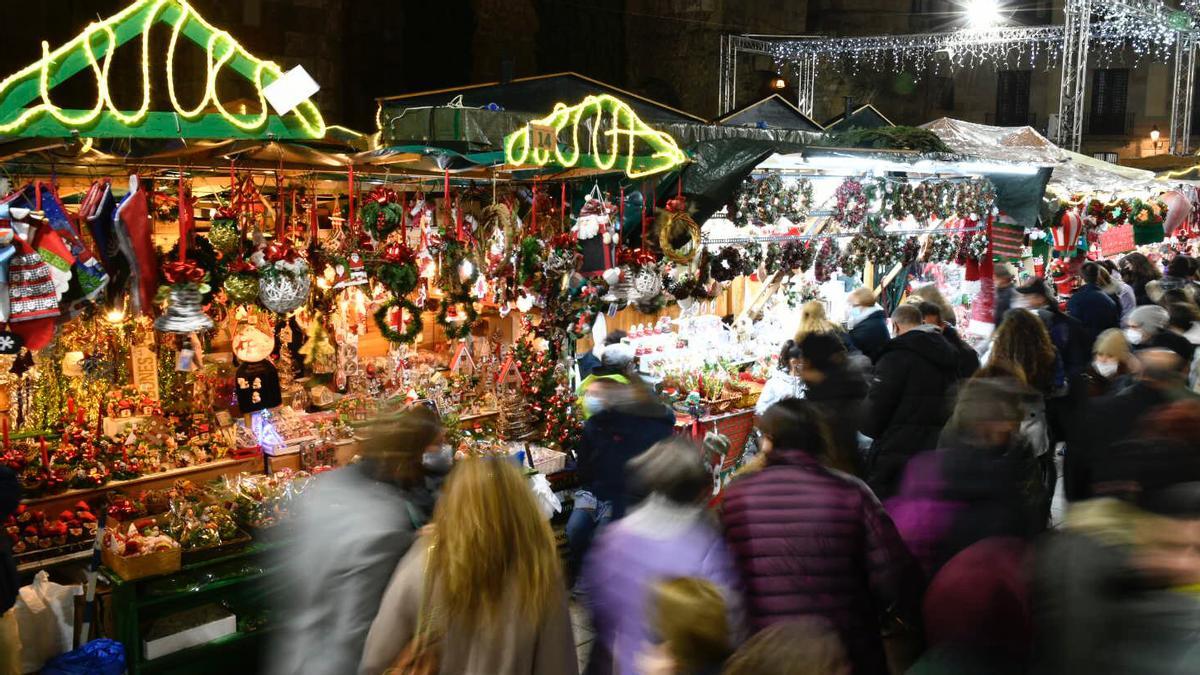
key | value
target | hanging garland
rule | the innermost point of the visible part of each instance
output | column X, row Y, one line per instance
column 851, row 207
column 826, row 260
column 412, row 327
column 397, row 269
column 765, row 201
column 456, row 330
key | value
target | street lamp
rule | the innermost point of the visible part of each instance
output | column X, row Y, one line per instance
column 982, row 14
column 1154, row 135
column 777, row 83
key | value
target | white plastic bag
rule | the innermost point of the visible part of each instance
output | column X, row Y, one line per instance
column 45, row 614
column 547, row 501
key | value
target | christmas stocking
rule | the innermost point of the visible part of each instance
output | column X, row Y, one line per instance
column 134, row 232
column 101, row 223
column 87, row 274
column 33, row 304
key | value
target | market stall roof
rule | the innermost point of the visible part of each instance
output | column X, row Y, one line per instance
column 1073, row 172
column 772, row 112
column 863, row 117
column 536, row 94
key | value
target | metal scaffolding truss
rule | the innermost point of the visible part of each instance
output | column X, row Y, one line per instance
column 806, row 54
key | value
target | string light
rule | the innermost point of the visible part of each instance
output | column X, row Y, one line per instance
column 220, row 49
column 519, row 148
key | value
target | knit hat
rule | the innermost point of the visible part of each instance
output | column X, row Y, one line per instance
column 617, row 356
column 1150, row 318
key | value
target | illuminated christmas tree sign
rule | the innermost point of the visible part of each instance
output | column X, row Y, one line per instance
column 601, row 132
column 27, row 108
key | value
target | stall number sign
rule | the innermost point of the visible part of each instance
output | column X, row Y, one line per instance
column 543, row 137
column 145, row 370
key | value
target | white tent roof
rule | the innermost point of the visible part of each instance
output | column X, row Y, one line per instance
column 1073, row 172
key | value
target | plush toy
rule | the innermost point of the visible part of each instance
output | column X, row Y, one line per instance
column 257, row 381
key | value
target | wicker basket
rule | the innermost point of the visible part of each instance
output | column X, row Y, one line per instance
column 145, row 565
column 548, row 461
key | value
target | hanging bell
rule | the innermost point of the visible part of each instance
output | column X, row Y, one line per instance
column 185, row 312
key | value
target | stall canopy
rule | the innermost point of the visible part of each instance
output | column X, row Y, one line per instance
column 772, row 112
column 863, row 117
column 1073, row 172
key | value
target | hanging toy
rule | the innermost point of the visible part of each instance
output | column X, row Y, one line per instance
column 285, row 279
column 256, row 384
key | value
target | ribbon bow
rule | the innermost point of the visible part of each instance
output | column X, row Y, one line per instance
column 382, row 195
column 278, row 251
column 241, row 265
column 677, row 204
column 226, row 213
column 183, row 271
column 398, row 254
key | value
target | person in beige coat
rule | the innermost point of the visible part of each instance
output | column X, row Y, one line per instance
column 498, row 601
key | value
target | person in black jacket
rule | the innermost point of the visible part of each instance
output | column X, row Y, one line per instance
column 1002, row 277
column 626, row 418
column 968, row 358
column 909, row 398
column 1094, row 308
column 838, row 391
column 10, row 654
column 867, row 324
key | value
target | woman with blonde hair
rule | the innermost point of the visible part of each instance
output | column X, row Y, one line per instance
column 1109, row 369
column 691, row 620
column 485, row 586
column 813, row 319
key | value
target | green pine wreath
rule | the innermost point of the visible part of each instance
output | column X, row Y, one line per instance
column 414, row 325
column 462, row 330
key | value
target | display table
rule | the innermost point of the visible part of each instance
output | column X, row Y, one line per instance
column 736, row 426
column 239, row 581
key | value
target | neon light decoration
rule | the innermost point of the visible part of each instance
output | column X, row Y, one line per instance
column 94, row 48
column 625, row 130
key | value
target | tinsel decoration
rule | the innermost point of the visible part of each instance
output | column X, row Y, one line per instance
column 223, row 233
column 727, row 264
column 550, row 405
column 766, row 200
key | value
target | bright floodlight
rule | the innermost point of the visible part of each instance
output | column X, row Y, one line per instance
column 982, row 14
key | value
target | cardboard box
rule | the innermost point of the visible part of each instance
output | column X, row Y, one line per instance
column 190, row 628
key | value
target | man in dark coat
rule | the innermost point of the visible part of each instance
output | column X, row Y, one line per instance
column 812, row 542
column 968, row 358
column 838, row 390
column 1092, row 306
column 866, row 324
column 910, row 397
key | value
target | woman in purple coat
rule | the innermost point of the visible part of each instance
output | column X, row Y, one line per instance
column 670, row 534
column 810, row 541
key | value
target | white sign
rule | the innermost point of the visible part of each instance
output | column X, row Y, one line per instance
column 290, row 90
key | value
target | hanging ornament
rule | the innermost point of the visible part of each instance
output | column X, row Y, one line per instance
column 185, row 311
column 285, row 279
column 241, row 285
column 1067, row 229
column 678, row 219
column 223, row 233
column 399, row 321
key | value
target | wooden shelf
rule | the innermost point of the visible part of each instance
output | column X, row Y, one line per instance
column 219, row 467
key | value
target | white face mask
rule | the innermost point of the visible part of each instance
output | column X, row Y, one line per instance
column 1133, row 335
column 593, row 403
column 1106, row 369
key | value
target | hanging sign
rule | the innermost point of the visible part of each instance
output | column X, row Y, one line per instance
column 543, row 138
column 1116, row 240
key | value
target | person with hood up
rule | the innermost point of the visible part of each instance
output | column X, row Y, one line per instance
column 1091, row 305
column 809, row 541
column 838, row 391
column 670, row 534
column 625, row 418
column 1178, row 276
column 354, row 526
column 1146, row 327
column 866, row 323
column 909, row 398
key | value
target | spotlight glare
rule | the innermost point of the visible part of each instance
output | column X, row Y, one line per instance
column 982, row 14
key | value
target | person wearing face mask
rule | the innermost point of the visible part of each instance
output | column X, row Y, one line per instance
column 867, row 323
column 1146, row 327
column 1109, row 371
column 1066, row 332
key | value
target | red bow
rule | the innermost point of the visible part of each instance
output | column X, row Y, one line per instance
column 382, row 195
column 241, row 265
column 279, row 251
column 397, row 253
column 226, row 213
column 639, row 256
column 677, row 204
column 183, row 271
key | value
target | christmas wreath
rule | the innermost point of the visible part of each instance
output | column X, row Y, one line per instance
column 826, row 260
column 457, row 330
column 397, row 269
column 727, row 264
column 380, row 213
column 679, row 217
column 767, row 200
column 411, row 327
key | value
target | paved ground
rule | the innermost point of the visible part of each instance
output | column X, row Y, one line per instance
column 583, row 632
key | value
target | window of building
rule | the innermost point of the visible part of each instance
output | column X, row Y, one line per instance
column 1012, row 98
column 1110, row 92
